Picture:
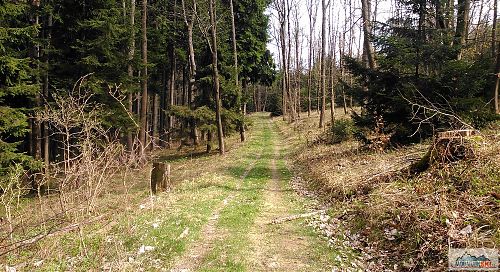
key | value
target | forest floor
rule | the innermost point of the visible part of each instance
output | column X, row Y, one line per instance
column 237, row 212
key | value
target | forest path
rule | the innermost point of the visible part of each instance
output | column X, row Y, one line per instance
column 219, row 216
column 240, row 235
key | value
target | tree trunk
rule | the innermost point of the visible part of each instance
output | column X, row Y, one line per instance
column 440, row 21
column 462, row 26
column 497, row 82
column 494, row 29
column 144, row 82
column 192, row 66
column 45, row 125
column 284, row 86
column 342, row 71
column 130, row 69
column 322, row 65
column 420, row 35
column 236, row 71
column 367, row 28
column 155, row 116
column 37, row 125
column 312, row 12
column 171, row 94
column 209, row 140
column 298, row 71
column 282, row 18
column 333, row 74
column 215, row 71
column 289, row 59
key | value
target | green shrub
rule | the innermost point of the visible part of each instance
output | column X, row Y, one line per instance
column 342, row 130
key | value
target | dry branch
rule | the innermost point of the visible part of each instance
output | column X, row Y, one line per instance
column 294, row 217
column 49, row 233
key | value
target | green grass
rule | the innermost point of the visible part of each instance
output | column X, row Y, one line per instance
column 237, row 219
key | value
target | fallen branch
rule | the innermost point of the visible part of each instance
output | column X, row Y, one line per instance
column 50, row 233
column 294, row 217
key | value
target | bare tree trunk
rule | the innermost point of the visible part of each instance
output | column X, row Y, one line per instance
column 144, row 81
column 318, row 77
column 462, row 27
column 209, row 140
column 215, row 71
column 192, row 65
column 324, row 6
column 367, row 28
column 494, row 28
column 333, row 71
column 420, row 36
column 298, row 69
column 130, row 69
column 37, row 125
column 236, row 71
column 312, row 10
column 45, row 125
column 155, row 117
column 282, row 14
column 289, row 60
column 342, row 70
column 497, row 82
column 171, row 94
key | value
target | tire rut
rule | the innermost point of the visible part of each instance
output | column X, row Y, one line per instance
column 194, row 256
column 276, row 247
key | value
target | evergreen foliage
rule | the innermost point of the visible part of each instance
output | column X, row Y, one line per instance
column 17, row 81
column 420, row 86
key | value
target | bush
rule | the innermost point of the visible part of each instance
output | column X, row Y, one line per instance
column 342, row 130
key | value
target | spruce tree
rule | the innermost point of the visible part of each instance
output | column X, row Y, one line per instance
column 17, row 82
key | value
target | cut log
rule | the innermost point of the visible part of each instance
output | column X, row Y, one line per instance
column 160, row 177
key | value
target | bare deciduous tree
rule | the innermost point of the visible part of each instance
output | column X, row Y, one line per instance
column 324, row 7
column 215, row 71
column 312, row 11
column 367, row 33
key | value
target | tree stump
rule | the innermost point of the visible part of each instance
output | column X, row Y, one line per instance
column 160, row 177
column 453, row 145
column 448, row 146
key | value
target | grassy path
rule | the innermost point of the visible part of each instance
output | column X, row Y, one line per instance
column 217, row 218
column 239, row 236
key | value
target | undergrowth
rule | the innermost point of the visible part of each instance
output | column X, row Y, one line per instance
column 394, row 219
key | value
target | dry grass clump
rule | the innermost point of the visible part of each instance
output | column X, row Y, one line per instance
column 347, row 170
column 406, row 221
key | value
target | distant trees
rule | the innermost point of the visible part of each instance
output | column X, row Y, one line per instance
column 408, row 73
